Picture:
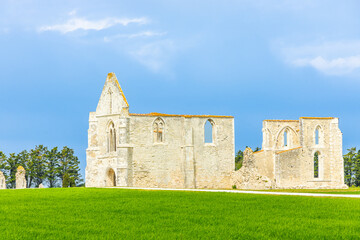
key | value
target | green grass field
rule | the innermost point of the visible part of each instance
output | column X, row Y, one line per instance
column 78, row 213
column 351, row 190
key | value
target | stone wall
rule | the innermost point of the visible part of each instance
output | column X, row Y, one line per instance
column 167, row 150
column 289, row 161
column 156, row 150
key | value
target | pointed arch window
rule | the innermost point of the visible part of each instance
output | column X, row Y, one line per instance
column 158, row 129
column 111, row 138
column 209, row 131
column 316, row 165
column 318, row 135
column 286, row 138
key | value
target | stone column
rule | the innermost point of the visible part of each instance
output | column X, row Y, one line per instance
column 20, row 178
column 2, row 181
column 189, row 156
column 124, row 173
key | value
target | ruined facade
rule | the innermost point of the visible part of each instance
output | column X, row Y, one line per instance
column 165, row 150
column 156, row 150
column 304, row 153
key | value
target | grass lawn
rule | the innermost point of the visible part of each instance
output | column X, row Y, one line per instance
column 136, row 214
column 351, row 190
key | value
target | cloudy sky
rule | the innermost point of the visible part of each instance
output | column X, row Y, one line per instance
column 254, row 60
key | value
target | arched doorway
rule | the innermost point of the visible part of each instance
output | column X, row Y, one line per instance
column 111, row 178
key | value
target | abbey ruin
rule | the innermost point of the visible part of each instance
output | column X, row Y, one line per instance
column 198, row 151
column 304, row 153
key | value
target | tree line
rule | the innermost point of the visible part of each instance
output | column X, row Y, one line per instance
column 351, row 165
column 52, row 167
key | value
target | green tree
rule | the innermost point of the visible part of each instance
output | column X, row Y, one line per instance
column 69, row 164
column 66, row 180
column 239, row 157
column 349, row 166
column 52, row 163
column 3, row 161
column 12, row 162
column 357, row 169
column 36, row 165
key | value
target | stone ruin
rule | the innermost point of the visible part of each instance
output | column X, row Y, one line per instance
column 248, row 176
column 20, row 178
column 2, row 181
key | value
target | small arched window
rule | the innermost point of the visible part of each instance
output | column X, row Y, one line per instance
column 111, row 138
column 158, row 128
column 316, row 165
column 208, row 131
column 286, row 138
column 318, row 135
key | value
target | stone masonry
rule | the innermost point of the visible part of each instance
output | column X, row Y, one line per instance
column 2, row 181
column 156, row 150
column 168, row 150
column 304, row 153
column 20, row 178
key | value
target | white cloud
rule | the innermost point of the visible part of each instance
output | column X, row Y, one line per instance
column 84, row 24
column 155, row 56
column 337, row 66
column 72, row 13
column 331, row 58
column 135, row 35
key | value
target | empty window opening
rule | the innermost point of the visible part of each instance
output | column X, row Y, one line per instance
column 208, row 132
column 111, row 138
column 285, row 138
column 158, row 129
column 316, row 165
column 317, row 131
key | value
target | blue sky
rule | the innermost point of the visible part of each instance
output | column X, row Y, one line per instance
column 253, row 60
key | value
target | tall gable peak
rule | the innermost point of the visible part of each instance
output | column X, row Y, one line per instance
column 112, row 99
column 111, row 78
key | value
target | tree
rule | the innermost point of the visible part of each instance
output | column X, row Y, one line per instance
column 3, row 161
column 12, row 162
column 69, row 164
column 66, row 180
column 357, row 169
column 36, row 165
column 239, row 157
column 52, row 164
column 349, row 166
